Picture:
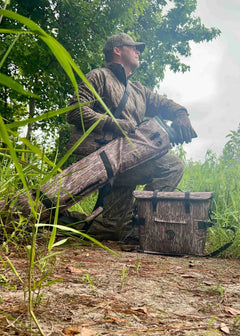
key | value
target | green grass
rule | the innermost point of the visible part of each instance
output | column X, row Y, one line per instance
column 223, row 179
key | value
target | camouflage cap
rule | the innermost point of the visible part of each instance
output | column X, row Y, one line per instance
column 120, row 40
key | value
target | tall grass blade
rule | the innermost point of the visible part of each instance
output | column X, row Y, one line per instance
column 14, row 269
column 44, row 116
column 7, row 141
column 66, row 228
column 54, row 229
column 9, row 49
column 71, row 150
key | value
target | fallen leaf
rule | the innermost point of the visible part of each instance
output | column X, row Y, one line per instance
column 224, row 328
column 74, row 270
column 136, row 318
column 208, row 283
column 71, row 331
column 142, row 309
column 78, row 331
column 187, row 276
column 232, row 311
column 57, row 276
column 87, row 332
column 111, row 318
column 131, row 266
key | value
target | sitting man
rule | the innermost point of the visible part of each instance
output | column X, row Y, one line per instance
column 164, row 173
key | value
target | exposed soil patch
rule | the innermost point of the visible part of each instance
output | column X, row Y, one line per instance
column 135, row 294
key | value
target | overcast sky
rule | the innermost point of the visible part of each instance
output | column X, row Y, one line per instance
column 211, row 90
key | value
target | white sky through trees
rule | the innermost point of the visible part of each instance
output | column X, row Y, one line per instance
column 211, row 90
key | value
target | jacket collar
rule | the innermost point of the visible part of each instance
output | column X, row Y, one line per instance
column 118, row 71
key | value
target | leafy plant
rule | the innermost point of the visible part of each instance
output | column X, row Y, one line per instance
column 137, row 264
column 89, row 280
column 124, row 274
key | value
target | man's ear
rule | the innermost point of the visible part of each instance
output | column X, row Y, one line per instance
column 117, row 51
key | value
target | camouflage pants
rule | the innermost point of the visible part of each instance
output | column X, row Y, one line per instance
column 163, row 173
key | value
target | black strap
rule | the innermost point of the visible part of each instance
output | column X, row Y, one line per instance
column 187, row 201
column 45, row 200
column 122, row 102
column 225, row 246
column 103, row 191
column 155, row 200
column 107, row 164
column 50, row 205
column 109, row 171
column 116, row 113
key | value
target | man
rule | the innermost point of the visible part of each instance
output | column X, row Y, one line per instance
column 122, row 57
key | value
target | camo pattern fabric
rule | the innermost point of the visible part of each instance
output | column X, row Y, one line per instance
column 161, row 174
column 110, row 82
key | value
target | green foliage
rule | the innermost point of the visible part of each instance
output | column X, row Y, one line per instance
column 168, row 29
column 231, row 151
column 89, row 280
column 124, row 275
column 86, row 205
column 82, row 27
column 221, row 176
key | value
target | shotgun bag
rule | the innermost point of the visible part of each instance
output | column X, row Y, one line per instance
column 149, row 141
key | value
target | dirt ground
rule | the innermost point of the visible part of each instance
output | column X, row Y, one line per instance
column 133, row 294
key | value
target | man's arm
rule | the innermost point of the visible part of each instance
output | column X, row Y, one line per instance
column 86, row 113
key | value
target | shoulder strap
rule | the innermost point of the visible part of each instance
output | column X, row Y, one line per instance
column 223, row 247
column 122, row 102
column 117, row 112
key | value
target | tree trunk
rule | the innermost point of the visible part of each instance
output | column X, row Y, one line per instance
column 32, row 105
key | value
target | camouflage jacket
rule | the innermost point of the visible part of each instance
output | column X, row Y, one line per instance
column 110, row 83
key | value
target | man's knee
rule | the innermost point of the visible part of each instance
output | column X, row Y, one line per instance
column 176, row 170
column 167, row 173
column 179, row 166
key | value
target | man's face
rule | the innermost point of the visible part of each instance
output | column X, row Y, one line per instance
column 129, row 57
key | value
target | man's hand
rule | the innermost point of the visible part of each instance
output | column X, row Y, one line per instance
column 183, row 128
column 111, row 126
